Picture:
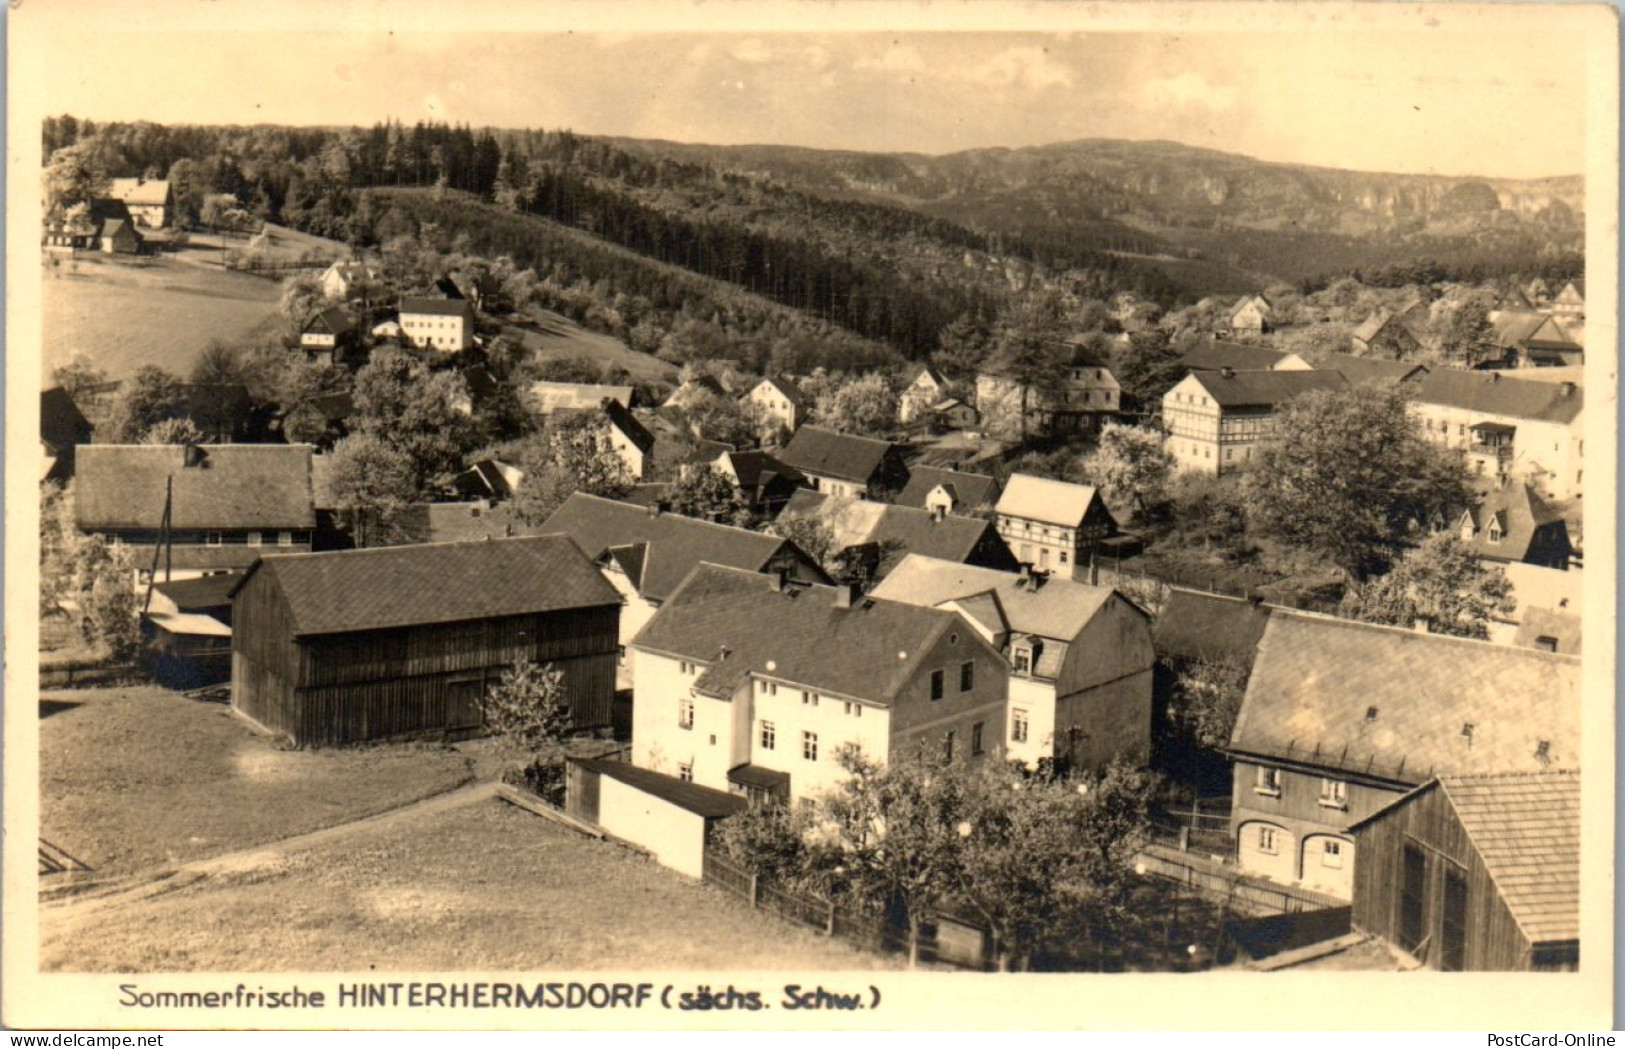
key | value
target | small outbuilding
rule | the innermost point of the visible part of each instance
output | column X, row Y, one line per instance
column 670, row 817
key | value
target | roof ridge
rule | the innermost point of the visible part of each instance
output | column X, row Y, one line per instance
column 1285, row 612
column 308, row 554
column 683, row 517
column 848, row 436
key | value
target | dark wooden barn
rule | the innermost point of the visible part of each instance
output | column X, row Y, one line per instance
column 336, row 648
column 1476, row 873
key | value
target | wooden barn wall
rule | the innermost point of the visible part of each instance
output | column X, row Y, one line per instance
column 1493, row 941
column 264, row 659
column 427, row 703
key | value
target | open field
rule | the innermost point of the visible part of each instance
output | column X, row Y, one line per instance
column 164, row 312
column 133, row 778
column 551, row 336
column 481, row 887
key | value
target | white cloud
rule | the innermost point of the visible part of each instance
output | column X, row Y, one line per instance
column 898, row 58
column 1189, row 89
column 1029, row 67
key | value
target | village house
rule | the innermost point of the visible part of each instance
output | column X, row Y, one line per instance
column 694, row 388
column 846, row 465
column 1340, row 718
column 1507, row 426
column 202, row 509
column 753, row 683
column 760, row 480
column 779, row 398
column 328, row 337
column 1570, row 302
column 644, row 552
column 337, row 648
column 549, row 397
column 151, row 201
column 1538, row 293
column 442, row 322
column 1214, row 420
column 951, row 414
column 673, row 819
column 1251, row 315
column 1513, row 523
column 105, row 226
column 631, row 442
column 490, row 479
column 1384, row 335
column 1195, row 626
column 63, row 428
column 1080, row 657
column 1373, row 371
column 869, row 536
column 349, row 278
column 1210, row 355
column 187, row 628
column 1534, row 340
column 954, row 491
column 1080, row 399
column 1476, row 872
column 1052, row 525
column 1546, row 610
column 923, row 386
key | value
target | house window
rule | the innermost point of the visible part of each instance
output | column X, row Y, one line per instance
column 1063, row 557
column 1331, row 855
column 284, row 539
column 976, row 738
column 808, row 699
column 770, row 735
column 254, row 539
column 967, row 676
column 936, row 684
column 809, row 746
column 1266, row 840
column 685, row 668
column 213, row 539
column 1547, row 644
column 1018, row 726
column 948, row 746
column 685, row 713
column 1022, row 659
column 1268, row 782
column 1495, row 532
column 685, row 772
column 1334, row 793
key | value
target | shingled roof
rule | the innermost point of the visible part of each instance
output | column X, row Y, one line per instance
column 151, row 191
column 399, row 586
column 1525, row 826
column 1199, row 626
column 1210, row 355
column 969, row 490
column 233, row 487
column 707, row 802
column 1492, row 393
column 424, row 306
column 854, row 522
column 1518, row 514
column 675, row 544
column 1265, row 389
column 1042, row 499
column 738, row 623
column 844, row 456
column 1372, row 370
column 1403, row 706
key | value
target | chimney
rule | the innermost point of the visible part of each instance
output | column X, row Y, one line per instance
column 1568, row 388
column 1228, row 372
column 778, row 576
column 938, row 512
column 1422, row 626
column 845, row 594
column 1025, row 571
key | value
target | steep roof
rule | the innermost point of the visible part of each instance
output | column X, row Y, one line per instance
column 790, row 634
column 1525, row 826
column 398, row 586
column 1058, row 609
column 754, row 470
column 1373, row 325
column 140, row 191
column 1265, row 389
column 1519, row 512
column 701, row 801
column 844, row 456
column 855, row 522
column 422, row 305
column 1564, row 628
column 1041, row 499
column 61, row 424
column 914, row 373
column 566, row 396
column 335, row 320
column 1211, row 355
column 970, row 490
column 1362, row 371
column 236, row 486
column 622, row 419
column 1196, row 625
column 675, row 543
column 460, row 522
column 1403, row 705
column 209, row 591
column 788, row 388
column 1519, row 329
column 1492, row 393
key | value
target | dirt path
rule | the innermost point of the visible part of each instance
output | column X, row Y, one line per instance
column 77, row 899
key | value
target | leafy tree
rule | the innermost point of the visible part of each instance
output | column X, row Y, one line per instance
column 810, row 534
column 1345, row 474
column 74, row 175
column 709, row 494
column 962, row 346
column 302, row 299
column 713, row 417
column 772, row 841
column 1147, row 368
column 78, row 374
column 174, row 431
column 865, row 405
column 109, row 611
column 1442, row 583
column 1208, row 696
column 527, row 709
column 59, row 535
column 217, row 387
column 146, row 399
column 419, row 411
column 1131, row 466
column 1469, row 337
column 1030, row 352
column 371, row 480
column 572, row 455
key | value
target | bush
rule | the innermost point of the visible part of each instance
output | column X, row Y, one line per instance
column 543, row 777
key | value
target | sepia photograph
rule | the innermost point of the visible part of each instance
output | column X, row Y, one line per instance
column 638, row 516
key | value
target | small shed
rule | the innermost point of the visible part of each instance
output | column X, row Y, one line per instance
column 1476, row 873
column 670, row 817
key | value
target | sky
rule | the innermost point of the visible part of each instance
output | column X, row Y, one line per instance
column 1419, row 95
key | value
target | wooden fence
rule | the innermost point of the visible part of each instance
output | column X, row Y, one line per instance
column 1219, row 881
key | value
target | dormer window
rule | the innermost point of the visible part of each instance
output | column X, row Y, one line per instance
column 1024, row 655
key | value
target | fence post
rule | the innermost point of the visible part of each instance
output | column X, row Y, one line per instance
column 1184, row 839
column 829, row 920
column 753, row 889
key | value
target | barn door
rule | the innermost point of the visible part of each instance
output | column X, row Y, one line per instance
column 1412, row 898
column 463, row 702
column 1453, row 922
